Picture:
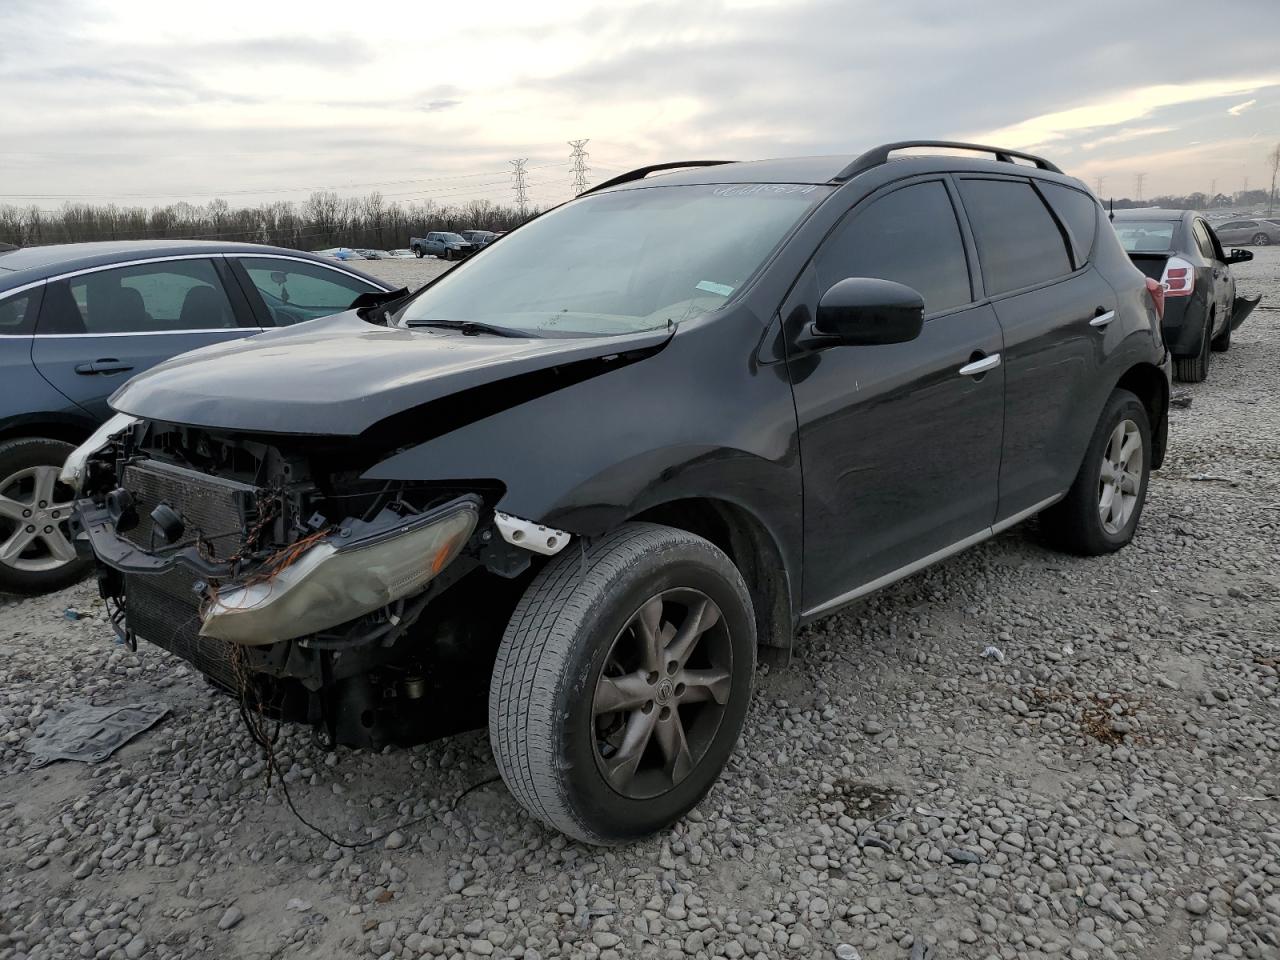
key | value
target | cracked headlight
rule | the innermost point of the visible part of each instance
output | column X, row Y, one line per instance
column 332, row 583
column 73, row 469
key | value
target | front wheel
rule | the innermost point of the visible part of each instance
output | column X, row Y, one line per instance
column 1100, row 512
column 1261, row 239
column 417, row 252
column 36, row 553
column 622, row 683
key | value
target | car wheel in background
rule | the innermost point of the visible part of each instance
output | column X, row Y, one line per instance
column 1100, row 512
column 622, row 682
column 417, row 252
column 36, row 552
column 1195, row 369
column 1261, row 239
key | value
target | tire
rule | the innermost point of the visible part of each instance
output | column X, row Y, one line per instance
column 447, row 255
column 565, row 647
column 1222, row 342
column 417, row 252
column 39, row 567
column 1195, row 369
column 1076, row 523
column 1261, row 239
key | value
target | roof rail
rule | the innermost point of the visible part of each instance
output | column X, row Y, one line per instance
column 878, row 155
column 641, row 172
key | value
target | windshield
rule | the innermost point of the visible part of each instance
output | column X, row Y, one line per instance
column 1148, row 236
column 621, row 262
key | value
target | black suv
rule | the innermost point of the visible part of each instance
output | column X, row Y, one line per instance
column 581, row 476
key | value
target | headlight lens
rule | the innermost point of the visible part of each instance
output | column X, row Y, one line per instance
column 73, row 470
column 329, row 585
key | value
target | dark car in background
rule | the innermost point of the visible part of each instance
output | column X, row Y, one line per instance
column 479, row 238
column 1181, row 250
column 77, row 320
column 1257, row 233
column 569, row 486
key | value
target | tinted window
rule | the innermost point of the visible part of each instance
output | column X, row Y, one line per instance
column 1146, row 236
column 1019, row 244
column 1203, row 240
column 294, row 291
column 910, row 236
column 1078, row 212
column 18, row 313
column 147, row 298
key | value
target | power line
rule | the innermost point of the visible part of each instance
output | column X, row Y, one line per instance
column 579, row 168
column 519, row 185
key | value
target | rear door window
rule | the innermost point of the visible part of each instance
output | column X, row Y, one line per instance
column 294, row 290
column 910, row 236
column 1019, row 243
column 18, row 312
column 1205, row 242
column 1076, row 211
column 164, row 297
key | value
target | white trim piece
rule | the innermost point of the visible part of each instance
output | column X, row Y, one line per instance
column 531, row 536
column 1103, row 319
column 931, row 559
column 243, row 331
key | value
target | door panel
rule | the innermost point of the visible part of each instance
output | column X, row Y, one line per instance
column 900, row 451
column 96, row 330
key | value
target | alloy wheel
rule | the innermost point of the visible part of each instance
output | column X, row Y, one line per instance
column 661, row 693
column 1120, row 480
column 35, row 513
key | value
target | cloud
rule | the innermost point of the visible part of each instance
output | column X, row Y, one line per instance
column 1125, row 135
column 1240, row 108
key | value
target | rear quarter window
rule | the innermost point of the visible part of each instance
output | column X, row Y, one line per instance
column 1019, row 243
column 18, row 312
column 1078, row 212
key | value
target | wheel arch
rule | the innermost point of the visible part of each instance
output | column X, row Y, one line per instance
column 68, row 429
column 1150, row 385
column 750, row 546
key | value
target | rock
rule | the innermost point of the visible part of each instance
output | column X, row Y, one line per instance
column 230, row 918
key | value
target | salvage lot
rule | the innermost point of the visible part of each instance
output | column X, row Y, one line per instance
column 1110, row 787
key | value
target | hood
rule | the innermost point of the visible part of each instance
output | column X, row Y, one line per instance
column 340, row 375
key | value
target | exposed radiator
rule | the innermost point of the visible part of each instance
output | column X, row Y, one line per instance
column 164, row 609
column 218, row 510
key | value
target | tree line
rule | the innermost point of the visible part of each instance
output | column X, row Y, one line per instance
column 1242, row 199
column 324, row 220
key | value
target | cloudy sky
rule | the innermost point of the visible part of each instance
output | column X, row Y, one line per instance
column 148, row 102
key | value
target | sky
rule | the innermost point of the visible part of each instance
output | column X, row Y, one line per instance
column 149, row 102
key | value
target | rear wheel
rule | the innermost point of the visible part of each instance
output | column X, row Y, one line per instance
column 417, row 252
column 1195, row 369
column 1100, row 512
column 1261, row 239
column 622, row 683
column 36, row 553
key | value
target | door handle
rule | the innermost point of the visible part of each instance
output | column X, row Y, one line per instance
column 1102, row 318
column 104, row 365
column 977, row 367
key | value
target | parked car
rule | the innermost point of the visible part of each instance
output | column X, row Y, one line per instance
column 1181, row 250
column 580, row 478
column 479, row 238
column 442, row 244
column 76, row 320
column 401, row 253
column 1258, row 233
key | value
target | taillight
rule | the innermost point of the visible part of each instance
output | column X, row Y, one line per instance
column 1179, row 278
column 1156, row 290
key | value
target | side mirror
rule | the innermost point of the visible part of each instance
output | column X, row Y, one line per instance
column 865, row 311
column 1239, row 256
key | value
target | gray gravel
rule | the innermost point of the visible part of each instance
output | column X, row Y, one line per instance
column 1106, row 788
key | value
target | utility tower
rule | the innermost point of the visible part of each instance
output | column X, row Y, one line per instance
column 519, row 185
column 1137, row 184
column 1098, row 186
column 579, row 168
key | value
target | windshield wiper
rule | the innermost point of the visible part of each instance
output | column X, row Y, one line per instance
column 471, row 328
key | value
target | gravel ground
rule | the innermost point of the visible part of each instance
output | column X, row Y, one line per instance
column 1111, row 788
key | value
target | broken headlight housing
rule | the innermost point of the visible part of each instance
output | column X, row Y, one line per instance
column 333, row 582
column 73, row 469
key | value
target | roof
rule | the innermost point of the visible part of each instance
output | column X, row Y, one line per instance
column 31, row 264
column 1152, row 213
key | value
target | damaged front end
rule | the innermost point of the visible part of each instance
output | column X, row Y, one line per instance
column 360, row 606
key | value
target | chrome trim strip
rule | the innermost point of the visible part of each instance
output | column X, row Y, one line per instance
column 931, row 559
column 1012, row 521
column 244, row 331
column 898, row 574
column 989, row 362
column 1103, row 319
column 13, row 292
